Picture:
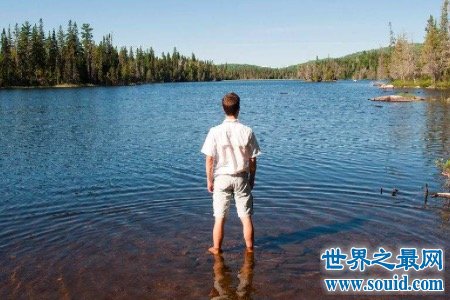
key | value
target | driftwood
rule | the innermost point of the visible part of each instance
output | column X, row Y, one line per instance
column 434, row 195
column 441, row 195
column 386, row 86
column 397, row 98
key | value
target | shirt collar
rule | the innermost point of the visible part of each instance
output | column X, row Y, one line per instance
column 231, row 120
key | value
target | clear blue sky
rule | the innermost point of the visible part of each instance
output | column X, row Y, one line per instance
column 267, row 33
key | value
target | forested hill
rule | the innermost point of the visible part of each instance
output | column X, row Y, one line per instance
column 356, row 65
column 359, row 65
column 245, row 71
column 369, row 64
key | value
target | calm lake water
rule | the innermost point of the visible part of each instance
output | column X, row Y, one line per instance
column 103, row 193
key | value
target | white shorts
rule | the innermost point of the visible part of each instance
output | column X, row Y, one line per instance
column 227, row 186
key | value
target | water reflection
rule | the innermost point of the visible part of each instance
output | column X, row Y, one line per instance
column 223, row 280
column 445, row 213
column 437, row 134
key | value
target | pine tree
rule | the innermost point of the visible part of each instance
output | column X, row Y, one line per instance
column 72, row 55
column 23, row 53
column 124, row 72
column 132, row 67
column 38, row 54
column 391, row 36
column 52, row 58
column 382, row 70
column 445, row 39
column 60, row 62
column 151, row 74
column 403, row 60
column 6, row 61
column 431, row 52
column 88, row 46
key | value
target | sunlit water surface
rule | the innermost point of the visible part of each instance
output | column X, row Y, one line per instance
column 102, row 190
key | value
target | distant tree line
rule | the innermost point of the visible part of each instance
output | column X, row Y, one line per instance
column 403, row 61
column 360, row 65
column 29, row 57
column 237, row 71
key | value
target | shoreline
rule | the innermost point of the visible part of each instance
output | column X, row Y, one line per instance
column 440, row 86
column 56, row 86
column 420, row 84
column 68, row 86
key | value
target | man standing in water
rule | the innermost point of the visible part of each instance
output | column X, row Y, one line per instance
column 231, row 150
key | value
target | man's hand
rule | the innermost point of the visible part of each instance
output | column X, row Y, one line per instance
column 210, row 185
column 251, row 181
column 209, row 173
column 252, row 169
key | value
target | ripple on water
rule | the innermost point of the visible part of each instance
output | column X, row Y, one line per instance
column 103, row 190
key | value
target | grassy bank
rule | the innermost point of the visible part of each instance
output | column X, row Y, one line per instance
column 69, row 85
column 56, row 86
column 421, row 83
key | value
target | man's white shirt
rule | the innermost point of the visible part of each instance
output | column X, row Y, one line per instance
column 231, row 144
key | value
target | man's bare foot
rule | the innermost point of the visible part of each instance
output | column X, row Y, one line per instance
column 215, row 251
column 249, row 249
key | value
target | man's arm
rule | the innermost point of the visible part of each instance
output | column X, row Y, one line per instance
column 210, row 173
column 252, row 170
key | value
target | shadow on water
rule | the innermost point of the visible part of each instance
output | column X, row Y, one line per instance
column 223, row 287
column 274, row 243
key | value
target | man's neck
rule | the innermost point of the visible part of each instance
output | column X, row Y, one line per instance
column 231, row 118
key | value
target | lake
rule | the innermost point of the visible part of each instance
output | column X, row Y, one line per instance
column 103, row 191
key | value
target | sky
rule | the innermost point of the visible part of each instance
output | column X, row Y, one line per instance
column 266, row 33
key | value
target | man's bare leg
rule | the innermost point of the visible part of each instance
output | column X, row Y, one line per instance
column 217, row 236
column 247, row 226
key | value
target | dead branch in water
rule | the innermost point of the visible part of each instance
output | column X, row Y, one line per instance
column 441, row 195
column 434, row 195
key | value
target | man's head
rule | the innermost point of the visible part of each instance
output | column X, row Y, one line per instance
column 230, row 103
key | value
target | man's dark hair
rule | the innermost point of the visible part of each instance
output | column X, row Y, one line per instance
column 231, row 104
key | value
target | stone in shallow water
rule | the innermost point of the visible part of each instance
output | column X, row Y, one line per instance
column 397, row 98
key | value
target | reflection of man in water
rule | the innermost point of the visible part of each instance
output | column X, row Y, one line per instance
column 223, row 281
column 231, row 149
